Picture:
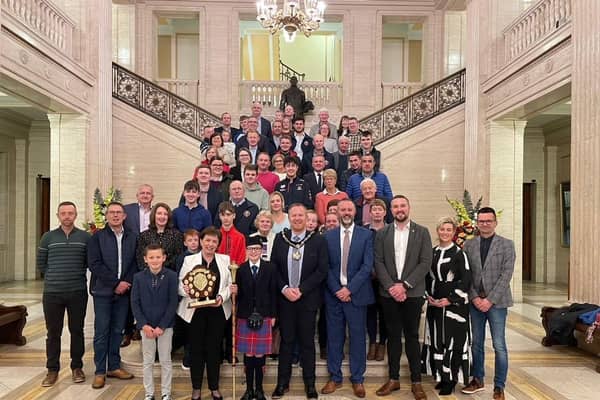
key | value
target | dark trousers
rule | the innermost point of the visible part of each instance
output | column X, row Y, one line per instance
column 54, row 305
column 129, row 322
column 375, row 318
column 206, row 335
column 403, row 318
column 109, row 322
column 322, row 327
column 296, row 324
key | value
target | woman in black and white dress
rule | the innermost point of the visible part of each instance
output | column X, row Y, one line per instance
column 446, row 352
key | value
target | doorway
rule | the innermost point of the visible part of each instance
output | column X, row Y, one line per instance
column 528, row 229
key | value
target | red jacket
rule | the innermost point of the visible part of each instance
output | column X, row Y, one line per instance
column 233, row 244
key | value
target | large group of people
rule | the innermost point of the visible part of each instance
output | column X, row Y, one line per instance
column 317, row 233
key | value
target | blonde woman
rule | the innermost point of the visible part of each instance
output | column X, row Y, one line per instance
column 280, row 218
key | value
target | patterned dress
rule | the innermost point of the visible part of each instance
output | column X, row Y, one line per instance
column 446, row 347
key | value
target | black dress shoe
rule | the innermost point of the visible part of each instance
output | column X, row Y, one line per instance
column 259, row 394
column 447, row 388
column 439, row 385
column 311, row 392
column 279, row 391
column 248, row 395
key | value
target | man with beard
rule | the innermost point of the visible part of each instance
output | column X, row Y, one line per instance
column 402, row 259
column 348, row 293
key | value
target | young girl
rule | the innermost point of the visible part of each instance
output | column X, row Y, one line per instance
column 256, row 296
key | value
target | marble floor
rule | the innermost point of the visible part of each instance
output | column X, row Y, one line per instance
column 536, row 372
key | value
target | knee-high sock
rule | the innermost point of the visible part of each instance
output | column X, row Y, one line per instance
column 249, row 367
column 259, row 363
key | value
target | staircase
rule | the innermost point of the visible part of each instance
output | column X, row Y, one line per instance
column 417, row 108
column 159, row 103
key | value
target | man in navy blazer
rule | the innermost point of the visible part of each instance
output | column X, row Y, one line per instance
column 264, row 126
column 349, row 292
column 300, row 258
column 138, row 214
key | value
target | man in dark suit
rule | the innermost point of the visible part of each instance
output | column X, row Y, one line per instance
column 318, row 149
column 245, row 210
column 402, row 259
column 138, row 214
column 314, row 179
column 137, row 221
column 226, row 121
column 301, row 261
column 492, row 260
column 264, row 126
column 349, row 292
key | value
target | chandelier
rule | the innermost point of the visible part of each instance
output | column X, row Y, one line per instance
column 291, row 18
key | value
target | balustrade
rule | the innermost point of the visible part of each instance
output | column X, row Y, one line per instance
column 45, row 19
column 396, row 91
column 188, row 89
column 536, row 23
column 268, row 93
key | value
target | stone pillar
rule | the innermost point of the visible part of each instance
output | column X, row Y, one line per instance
column 68, row 161
column 584, row 275
column 99, row 146
column 433, row 46
column 552, row 226
column 20, row 210
column 534, row 171
column 143, row 32
column 506, row 186
column 475, row 161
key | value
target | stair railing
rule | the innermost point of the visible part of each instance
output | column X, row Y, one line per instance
column 159, row 103
column 416, row 108
column 286, row 72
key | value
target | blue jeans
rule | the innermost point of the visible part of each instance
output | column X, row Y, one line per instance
column 497, row 320
column 109, row 323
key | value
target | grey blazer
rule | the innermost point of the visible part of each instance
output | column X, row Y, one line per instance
column 417, row 263
column 497, row 271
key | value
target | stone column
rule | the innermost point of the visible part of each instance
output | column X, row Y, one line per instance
column 20, row 210
column 475, row 161
column 68, row 162
column 552, row 226
column 99, row 146
column 506, row 186
column 584, row 275
column 433, row 46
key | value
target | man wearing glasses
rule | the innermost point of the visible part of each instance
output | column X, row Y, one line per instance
column 492, row 260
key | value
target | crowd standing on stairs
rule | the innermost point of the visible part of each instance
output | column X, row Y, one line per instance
column 314, row 230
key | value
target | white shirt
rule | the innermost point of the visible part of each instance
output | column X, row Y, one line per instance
column 119, row 236
column 299, row 140
column 400, row 245
column 144, row 218
column 344, row 279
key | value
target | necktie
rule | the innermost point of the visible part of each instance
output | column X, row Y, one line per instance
column 319, row 181
column 345, row 251
column 254, row 271
column 295, row 278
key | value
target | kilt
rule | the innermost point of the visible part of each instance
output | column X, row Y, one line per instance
column 253, row 342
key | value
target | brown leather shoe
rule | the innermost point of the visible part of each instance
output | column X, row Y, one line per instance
column 330, row 387
column 359, row 390
column 99, row 381
column 498, row 393
column 390, row 386
column 473, row 387
column 380, row 353
column 119, row 374
column 418, row 392
column 78, row 375
column 50, row 378
column 372, row 352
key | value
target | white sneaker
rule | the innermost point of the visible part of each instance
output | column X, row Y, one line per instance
column 184, row 367
column 149, row 397
column 166, row 397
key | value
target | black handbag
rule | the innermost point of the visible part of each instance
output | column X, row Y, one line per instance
column 255, row 321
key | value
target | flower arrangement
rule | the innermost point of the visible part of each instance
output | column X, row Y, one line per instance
column 466, row 215
column 100, row 204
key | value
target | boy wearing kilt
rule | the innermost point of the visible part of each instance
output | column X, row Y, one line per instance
column 256, row 290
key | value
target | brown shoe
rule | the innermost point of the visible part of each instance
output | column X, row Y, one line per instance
column 126, row 341
column 78, row 375
column 50, row 378
column 498, row 393
column 473, row 387
column 380, row 353
column 330, row 387
column 372, row 351
column 119, row 374
column 390, row 386
column 359, row 390
column 418, row 392
column 99, row 381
